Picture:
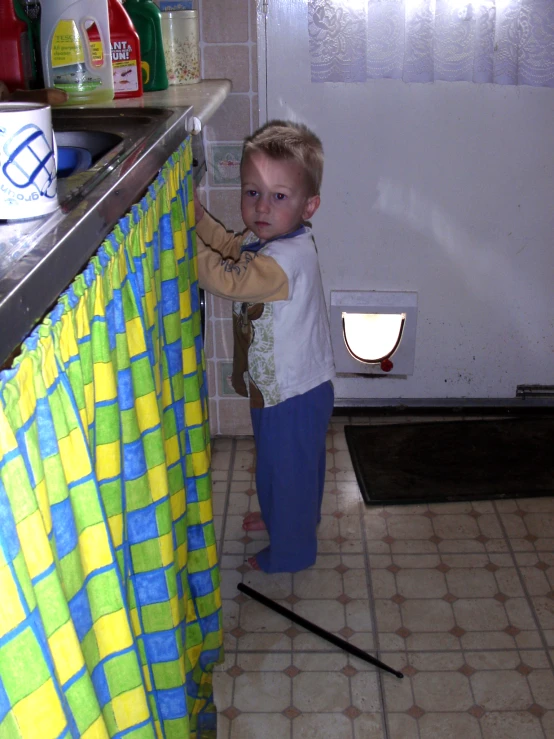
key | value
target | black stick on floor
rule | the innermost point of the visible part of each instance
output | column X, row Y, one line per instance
column 336, row 640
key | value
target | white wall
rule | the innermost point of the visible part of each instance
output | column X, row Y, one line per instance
column 445, row 189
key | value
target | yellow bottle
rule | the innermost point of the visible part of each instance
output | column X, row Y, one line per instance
column 76, row 52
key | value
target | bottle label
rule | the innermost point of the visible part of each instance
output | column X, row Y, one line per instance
column 125, row 73
column 68, row 59
column 66, row 45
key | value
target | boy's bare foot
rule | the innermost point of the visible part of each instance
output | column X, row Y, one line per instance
column 253, row 562
column 253, row 522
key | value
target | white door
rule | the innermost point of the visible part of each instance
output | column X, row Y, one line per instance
column 444, row 189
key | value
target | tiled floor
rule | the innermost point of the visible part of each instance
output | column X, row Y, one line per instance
column 460, row 597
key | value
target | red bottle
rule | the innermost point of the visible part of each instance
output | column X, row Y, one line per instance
column 125, row 43
column 15, row 60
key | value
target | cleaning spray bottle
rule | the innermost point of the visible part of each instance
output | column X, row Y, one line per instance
column 147, row 20
column 125, row 49
column 72, row 60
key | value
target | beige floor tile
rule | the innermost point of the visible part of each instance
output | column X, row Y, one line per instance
column 260, row 726
column 315, row 583
column 542, row 687
column 262, row 692
column 322, row 726
column 449, row 726
column 501, row 690
column 511, row 725
column 401, row 725
column 314, row 692
column 442, row 691
column 365, row 692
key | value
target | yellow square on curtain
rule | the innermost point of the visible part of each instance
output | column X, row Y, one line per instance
column 110, row 616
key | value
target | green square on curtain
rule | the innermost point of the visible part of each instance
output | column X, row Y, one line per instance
column 103, row 593
column 123, row 674
column 129, row 426
column 146, row 555
column 71, row 573
column 111, row 497
column 48, row 590
column 15, row 656
column 157, row 616
column 86, row 506
column 79, row 694
column 20, row 570
column 89, row 645
column 107, row 423
column 137, row 494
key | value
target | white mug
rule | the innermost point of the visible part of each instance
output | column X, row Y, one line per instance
column 28, row 161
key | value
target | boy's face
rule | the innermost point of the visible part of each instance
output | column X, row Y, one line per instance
column 274, row 198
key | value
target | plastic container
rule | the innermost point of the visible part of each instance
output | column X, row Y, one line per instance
column 17, row 69
column 146, row 18
column 125, row 48
column 180, row 40
column 71, row 59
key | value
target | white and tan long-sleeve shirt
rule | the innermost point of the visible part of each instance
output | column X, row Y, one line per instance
column 281, row 329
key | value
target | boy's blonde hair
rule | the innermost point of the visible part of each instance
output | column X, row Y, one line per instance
column 289, row 140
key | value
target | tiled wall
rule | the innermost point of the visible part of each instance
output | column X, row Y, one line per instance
column 228, row 50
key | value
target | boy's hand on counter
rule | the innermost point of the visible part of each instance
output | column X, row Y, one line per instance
column 46, row 96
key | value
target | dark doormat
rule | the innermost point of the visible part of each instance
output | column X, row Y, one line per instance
column 437, row 461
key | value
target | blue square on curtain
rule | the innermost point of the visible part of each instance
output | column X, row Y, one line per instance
column 8, row 533
column 101, row 687
column 179, row 409
column 211, row 622
column 118, row 314
column 142, row 525
column 161, row 647
column 173, row 352
column 151, row 587
column 192, row 492
column 125, row 393
column 170, row 297
column 4, row 701
column 63, row 524
column 134, row 463
column 195, row 537
column 200, row 583
column 80, row 613
column 48, row 444
column 110, row 323
column 172, row 703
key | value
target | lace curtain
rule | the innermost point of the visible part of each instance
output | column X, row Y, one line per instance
column 508, row 42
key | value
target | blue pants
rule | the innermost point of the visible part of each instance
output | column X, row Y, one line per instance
column 290, row 474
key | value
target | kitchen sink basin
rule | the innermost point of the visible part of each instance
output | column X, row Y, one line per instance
column 80, row 150
column 95, row 141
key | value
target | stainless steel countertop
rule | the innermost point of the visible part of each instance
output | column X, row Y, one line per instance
column 39, row 258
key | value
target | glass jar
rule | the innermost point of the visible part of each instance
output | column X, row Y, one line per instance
column 181, row 48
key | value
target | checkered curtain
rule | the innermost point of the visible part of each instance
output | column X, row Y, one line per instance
column 110, row 612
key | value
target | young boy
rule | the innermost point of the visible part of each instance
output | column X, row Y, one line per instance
column 282, row 353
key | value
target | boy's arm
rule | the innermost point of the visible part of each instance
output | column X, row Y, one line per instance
column 240, row 276
column 213, row 235
column 251, row 278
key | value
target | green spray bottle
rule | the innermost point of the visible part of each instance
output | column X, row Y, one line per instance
column 147, row 20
